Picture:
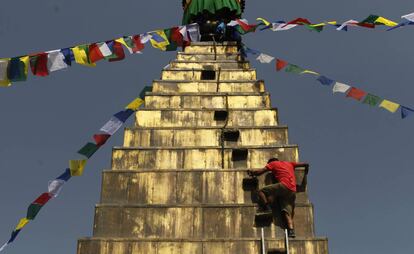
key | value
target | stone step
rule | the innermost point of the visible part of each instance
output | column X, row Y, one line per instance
column 212, row 48
column 207, row 101
column 208, row 65
column 200, row 74
column 182, row 56
column 101, row 245
column 202, row 157
column 172, row 137
column 185, row 187
column 205, row 117
column 208, row 86
column 193, row 221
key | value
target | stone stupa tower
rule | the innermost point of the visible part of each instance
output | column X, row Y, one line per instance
column 176, row 184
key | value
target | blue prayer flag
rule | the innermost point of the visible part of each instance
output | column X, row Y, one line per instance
column 405, row 112
column 69, row 56
column 326, row 81
column 124, row 115
column 65, row 176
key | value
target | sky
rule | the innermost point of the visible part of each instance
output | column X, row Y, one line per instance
column 361, row 171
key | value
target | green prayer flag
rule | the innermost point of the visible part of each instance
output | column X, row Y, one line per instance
column 292, row 68
column 172, row 46
column 370, row 20
column 146, row 89
column 88, row 150
column 372, row 100
column 33, row 210
column 314, row 28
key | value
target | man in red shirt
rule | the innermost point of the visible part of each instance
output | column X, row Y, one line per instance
column 283, row 192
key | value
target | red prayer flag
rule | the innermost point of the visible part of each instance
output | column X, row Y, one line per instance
column 95, row 53
column 356, row 93
column 176, row 36
column 38, row 64
column 244, row 26
column 298, row 21
column 100, row 139
column 367, row 25
column 280, row 64
column 138, row 46
column 42, row 199
column 118, row 50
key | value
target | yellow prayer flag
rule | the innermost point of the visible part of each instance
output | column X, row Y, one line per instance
column 389, row 105
column 25, row 60
column 265, row 22
column 4, row 80
column 310, row 72
column 76, row 167
column 332, row 22
column 135, row 104
column 81, row 57
column 385, row 21
column 161, row 42
column 22, row 223
column 122, row 41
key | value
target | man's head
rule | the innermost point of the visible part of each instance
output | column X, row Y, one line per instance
column 272, row 159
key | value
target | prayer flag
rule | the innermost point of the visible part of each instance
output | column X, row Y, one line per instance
column 88, row 150
column 76, row 167
column 194, row 32
column 325, row 81
column 264, row 22
column 292, row 68
column 22, row 223
column 81, row 54
column 282, row 27
column 4, row 80
column 159, row 40
column 126, row 41
column 13, row 235
column 409, row 17
column 280, row 64
column 18, row 67
column 386, row 22
column 405, row 23
column 263, row 58
column 33, row 210
column 246, row 28
column 38, row 64
column 145, row 38
column 405, row 112
column 346, row 24
column 317, row 27
column 356, row 93
column 42, row 199
column 310, row 72
column 118, row 51
column 389, row 105
column 65, row 176
column 124, row 115
column 54, row 187
column 100, row 139
column 173, row 44
column 299, row 21
column 95, row 53
column 340, row 88
column 138, row 45
column 3, row 247
column 105, row 50
column 144, row 90
column 112, row 126
column 56, row 61
column 69, row 56
column 372, row 100
column 135, row 104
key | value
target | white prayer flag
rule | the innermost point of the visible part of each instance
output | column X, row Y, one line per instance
column 409, row 17
column 105, row 50
column 4, row 81
column 145, row 38
column 3, row 247
column 55, row 187
column 347, row 23
column 183, row 32
column 56, row 61
column 263, row 58
column 194, row 32
column 281, row 27
column 112, row 126
column 340, row 88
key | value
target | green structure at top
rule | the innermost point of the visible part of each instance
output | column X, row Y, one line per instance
column 228, row 8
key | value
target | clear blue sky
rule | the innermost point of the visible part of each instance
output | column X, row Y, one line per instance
column 361, row 171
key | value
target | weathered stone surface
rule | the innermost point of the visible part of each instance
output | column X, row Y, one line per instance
column 208, row 86
column 195, row 74
column 180, row 187
column 181, row 56
column 204, row 118
column 207, row 101
column 98, row 245
column 215, row 65
column 197, row 158
column 195, row 221
column 218, row 49
column 187, row 137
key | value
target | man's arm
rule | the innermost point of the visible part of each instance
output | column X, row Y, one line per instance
column 257, row 172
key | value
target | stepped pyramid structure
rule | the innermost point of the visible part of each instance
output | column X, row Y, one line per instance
column 176, row 184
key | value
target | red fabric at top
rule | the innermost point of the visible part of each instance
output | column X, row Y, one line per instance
column 356, row 93
column 280, row 64
column 284, row 171
column 42, row 199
